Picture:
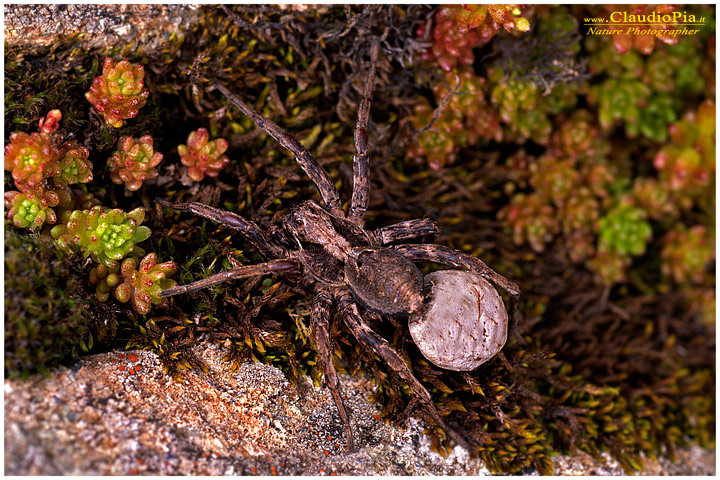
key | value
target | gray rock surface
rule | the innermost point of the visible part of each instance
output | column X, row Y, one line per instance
column 148, row 26
column 118, row 413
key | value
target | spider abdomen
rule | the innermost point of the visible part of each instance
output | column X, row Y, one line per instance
column 465, row 322
column 384, row 280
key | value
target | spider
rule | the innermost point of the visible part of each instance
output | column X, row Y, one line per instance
column 356, row 271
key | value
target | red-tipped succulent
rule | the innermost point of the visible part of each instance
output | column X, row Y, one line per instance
column 143, row 283
column 51, row 122
column 134, row 162
column 74, row 166
column 33, row 158
column 31, row 210
column 119, row 92
column 687, row 164
column 203, row 157
column 643, row 41
column 460, row 28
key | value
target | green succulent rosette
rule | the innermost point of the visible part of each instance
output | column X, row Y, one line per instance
column 624, row 230
column 74, row 166
column 31, row 210
column 106, row 235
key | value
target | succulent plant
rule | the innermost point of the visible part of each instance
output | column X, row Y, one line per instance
column 605, row 59
column 451, row 45
column 644, row 43
column 480, row 120
column 31, row 210
column 621, row 99
column 522, row 107
column 600, row 177
column 465, row 119
column 624, row 230
column 578, row 136
column 580, row 244
column 532, row 218
column 460, row 28
column 32, row 159
column 119, row 92
column 51, row 122
column 702, row 300
column 518, row 171
column 511, row 95
column 609, row 266
column 581, row 210
column 438, row 145
column 688, row 163
column 654, row 198
column 106, row 235
column 688, row 255
column 490, row 18
column 676, row 69
column 554, row 178
column 203, row 157
column 105, row 278
column 644, row 93
column 656, row 116
column 74, row 166
column 134, row 162
column 142, row 284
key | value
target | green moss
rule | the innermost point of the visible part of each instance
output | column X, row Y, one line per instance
column 48, row 317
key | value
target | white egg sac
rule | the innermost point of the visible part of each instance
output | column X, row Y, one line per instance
column 464, row 323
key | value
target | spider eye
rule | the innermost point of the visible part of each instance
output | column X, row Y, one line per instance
column 298, row 222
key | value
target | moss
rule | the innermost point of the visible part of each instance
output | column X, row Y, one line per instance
column 48, row 317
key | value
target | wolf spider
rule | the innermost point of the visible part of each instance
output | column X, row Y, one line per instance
column 344, row 265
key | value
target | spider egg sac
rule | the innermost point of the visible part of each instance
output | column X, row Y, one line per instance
column 464, row 324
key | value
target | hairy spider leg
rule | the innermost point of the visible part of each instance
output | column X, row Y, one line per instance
column 368, row 338
column 320, row 325
column 273, row 266
column 361, row 161
column 250, row 229
column 449, row 256
column 307, row 162
column 418, row 227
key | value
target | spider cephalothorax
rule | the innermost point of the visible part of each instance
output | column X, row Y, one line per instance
column 355, row 270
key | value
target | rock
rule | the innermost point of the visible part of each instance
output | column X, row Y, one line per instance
column 102, row 26
column 118, row 413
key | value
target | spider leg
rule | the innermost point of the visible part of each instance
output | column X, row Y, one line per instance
column 250, row 229
column 361, row 161
column 456, row 258
column 407, row 229
column 273, row 266
column 367, row 337
column 307, row 162
column 320, row 324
